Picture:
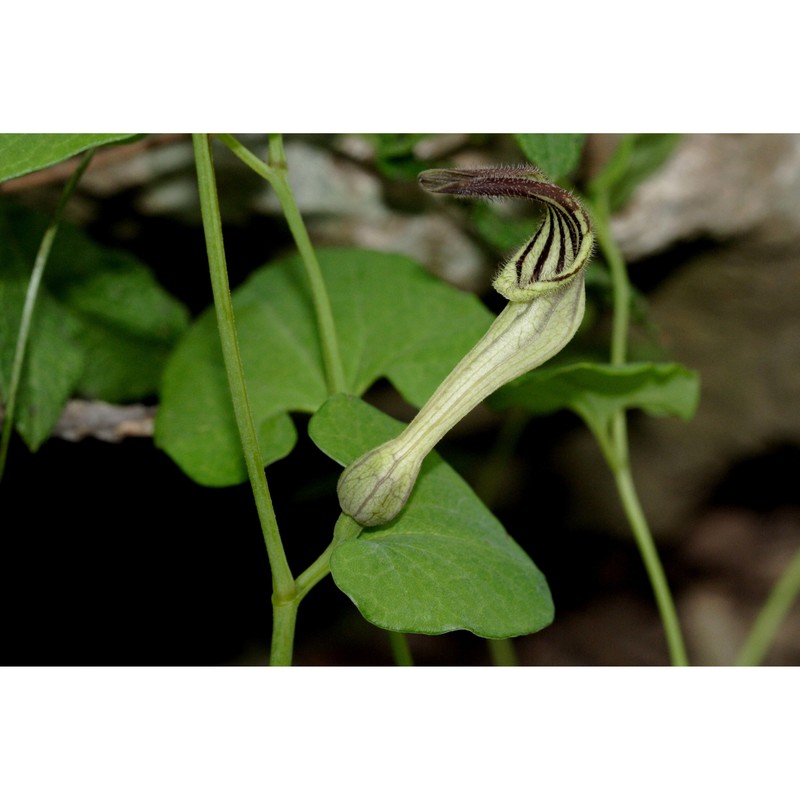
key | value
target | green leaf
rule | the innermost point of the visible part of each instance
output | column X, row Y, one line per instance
column 395, row 145
column 102, row 326
column 556, row 154
column 53, row 364
column 637, row 157
column 129, row 322
column 445, row 563
column 598, row 391
column 21, row 153
column 501, row 233
column 394, row 154
column 393, row 320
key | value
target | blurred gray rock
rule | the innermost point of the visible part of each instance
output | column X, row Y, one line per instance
column 431, row 239
column 341, row 201
column 323, row 183
column 715, row 185
column 109, row 423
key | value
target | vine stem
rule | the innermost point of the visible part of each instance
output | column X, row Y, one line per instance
column 401, row 651
column 276, row 174
column 771, row 616
column 652, row 562
column 619, row 279
column 616, row 447
column 283, row 584
column 31, row 296
column 285, row 612
column 503, row 653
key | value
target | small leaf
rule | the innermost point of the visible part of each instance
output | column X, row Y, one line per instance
column 598, row 391
column 21, row 153
column 445, row 563
column 102, row 326
column 556, row 154
column 393, row 320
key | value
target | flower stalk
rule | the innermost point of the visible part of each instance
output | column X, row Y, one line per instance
column 544, row 284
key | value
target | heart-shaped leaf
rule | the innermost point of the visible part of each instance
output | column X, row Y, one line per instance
column 393, row 320
column 598, row 391
column 445, row 563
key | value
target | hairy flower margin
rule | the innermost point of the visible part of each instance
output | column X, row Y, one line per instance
column 544, row 283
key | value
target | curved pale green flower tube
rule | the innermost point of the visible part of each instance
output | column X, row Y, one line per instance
column 544, row 283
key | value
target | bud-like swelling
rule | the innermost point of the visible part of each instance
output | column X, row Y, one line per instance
column 545, row 285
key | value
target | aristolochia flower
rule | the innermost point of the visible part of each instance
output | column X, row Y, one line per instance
column 544, row 284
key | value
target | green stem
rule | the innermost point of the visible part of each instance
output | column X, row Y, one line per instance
column 283, row 584
column 346, row 528
column 652, row 563
column 401, row 652
column 310, row 577
column 771, row 616
column 615, row 446
column 503, row 652
column 284, row 617
column 285, row 613
column 616, row 166
column 601, row 216
column 276, row 174
column 30, row 303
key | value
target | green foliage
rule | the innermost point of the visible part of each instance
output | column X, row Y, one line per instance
column 637, row 157
column 21, row 153
column 445, row 563
column 650, row 151
column 394, row 154
column 500, row 232
column 393, row 320
column 55, row 358
column 102, row 326
column 556, row 154
column 596, row 392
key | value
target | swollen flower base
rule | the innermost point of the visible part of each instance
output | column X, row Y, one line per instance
column 544, row 284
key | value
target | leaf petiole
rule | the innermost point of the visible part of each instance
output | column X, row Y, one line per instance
column 275, row 173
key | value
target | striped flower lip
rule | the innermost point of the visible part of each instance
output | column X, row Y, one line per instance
column 543, row 281
column 561, row 246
